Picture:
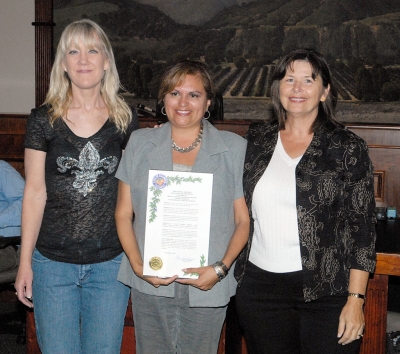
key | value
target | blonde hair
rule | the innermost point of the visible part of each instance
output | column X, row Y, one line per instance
column 59, row 95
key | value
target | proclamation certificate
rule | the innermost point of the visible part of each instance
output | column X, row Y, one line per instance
column 177, row 222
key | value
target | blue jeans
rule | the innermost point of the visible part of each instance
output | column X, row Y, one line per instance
column 79, row 308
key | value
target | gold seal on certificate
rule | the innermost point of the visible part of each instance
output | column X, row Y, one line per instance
column 156, row 263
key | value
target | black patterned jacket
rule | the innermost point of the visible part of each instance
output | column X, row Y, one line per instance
column 335, row 205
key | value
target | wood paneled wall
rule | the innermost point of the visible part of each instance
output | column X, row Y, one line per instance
column 383, row 142
column 12, row 133
column 384, row 150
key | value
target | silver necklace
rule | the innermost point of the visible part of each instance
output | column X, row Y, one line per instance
column 191, row 147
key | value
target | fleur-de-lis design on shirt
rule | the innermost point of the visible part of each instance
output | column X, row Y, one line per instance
column 89, row 162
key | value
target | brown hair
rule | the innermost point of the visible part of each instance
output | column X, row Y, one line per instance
column 326, row 109
column 176, row 73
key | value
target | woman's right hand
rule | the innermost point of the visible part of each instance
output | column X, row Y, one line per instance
column 23, row 285
column 155, row 281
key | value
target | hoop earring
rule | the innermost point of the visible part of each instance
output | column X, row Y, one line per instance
column 163, row 111
column 209, row 114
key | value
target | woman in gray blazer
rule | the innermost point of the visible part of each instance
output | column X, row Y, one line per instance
column 176, row 315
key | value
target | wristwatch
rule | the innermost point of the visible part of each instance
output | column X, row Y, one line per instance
column 221, row 269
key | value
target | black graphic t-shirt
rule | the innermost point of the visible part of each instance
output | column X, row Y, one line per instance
column 78, row 223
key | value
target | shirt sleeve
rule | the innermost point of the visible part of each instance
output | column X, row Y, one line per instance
column 133, row 125
column 126, row 161
column 35, row 137
column 239, row 151
column 11, row 192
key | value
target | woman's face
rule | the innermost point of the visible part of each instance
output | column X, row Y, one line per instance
column 186, row 104
column 85, row 66
column 299, row 93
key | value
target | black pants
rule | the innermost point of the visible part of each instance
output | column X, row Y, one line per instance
column 276, row 320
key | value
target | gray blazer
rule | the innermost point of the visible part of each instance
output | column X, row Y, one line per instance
column 222, row 154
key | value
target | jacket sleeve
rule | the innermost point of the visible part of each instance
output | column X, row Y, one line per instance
column 359, row 202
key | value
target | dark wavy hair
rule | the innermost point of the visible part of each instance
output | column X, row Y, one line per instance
column 326, row 109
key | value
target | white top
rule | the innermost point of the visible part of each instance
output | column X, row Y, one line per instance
column 276, row 246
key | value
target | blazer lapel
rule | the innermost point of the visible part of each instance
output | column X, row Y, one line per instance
column 160, row 157
column 212, row 144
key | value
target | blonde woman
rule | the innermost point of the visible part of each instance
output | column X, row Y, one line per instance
column 70, row 252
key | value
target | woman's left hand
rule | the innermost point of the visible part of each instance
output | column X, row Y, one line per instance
column 351, row 321
column 206, row 280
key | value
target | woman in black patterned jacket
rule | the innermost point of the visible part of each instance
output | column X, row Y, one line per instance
column 308, row 184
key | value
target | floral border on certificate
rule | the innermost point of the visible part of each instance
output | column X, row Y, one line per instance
column 157, row 192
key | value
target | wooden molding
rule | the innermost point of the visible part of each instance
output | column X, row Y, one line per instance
column 43, row 47
column 379, row 185
column 383, row 147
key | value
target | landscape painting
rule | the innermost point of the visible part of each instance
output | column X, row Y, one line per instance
column 241, row 42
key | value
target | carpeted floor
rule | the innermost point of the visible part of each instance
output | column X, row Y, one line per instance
column 9, row 345
column 8, row 342
column 394, row 294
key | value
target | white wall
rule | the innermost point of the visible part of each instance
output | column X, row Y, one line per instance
column 17, row 56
